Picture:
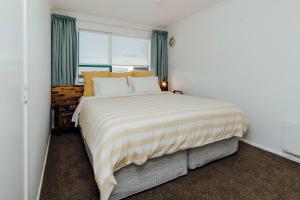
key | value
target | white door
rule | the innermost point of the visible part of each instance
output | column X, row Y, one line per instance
column 11, row 100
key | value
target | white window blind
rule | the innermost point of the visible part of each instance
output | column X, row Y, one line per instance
column 99, row 51
column 93, row 48
column 130, row 51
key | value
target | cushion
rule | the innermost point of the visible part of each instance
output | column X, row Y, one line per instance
column 110, row 86
column 144, row 84
column 88, row 81
column 126, row 74
column 142, row 73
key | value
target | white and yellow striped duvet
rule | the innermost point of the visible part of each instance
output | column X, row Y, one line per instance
column 131, row 129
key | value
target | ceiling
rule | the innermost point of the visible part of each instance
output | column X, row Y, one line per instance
column 148, row 12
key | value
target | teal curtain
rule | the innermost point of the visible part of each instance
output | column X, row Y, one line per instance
column 159, row 54
column 64, row 50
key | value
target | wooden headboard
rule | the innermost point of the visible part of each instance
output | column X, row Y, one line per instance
column 65, row 94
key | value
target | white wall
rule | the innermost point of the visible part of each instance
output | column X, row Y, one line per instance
column 39, row 87
column 246, row 52
column 11, row 81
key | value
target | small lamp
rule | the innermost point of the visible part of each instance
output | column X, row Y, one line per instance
column 164, row 84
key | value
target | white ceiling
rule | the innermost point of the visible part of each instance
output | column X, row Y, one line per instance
column 148, row 12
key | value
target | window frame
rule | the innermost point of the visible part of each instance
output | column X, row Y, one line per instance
column 110, row 65
column 79, row 76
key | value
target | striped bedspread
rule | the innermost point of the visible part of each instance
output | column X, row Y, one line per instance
column 131, row 129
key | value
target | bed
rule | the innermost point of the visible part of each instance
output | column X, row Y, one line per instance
column 139, row 141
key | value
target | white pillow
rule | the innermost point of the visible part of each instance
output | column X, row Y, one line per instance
column 110, row 86
column 144, row 84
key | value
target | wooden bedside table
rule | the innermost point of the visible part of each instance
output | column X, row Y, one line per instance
column 64, row 102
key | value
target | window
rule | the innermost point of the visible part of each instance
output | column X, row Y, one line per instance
column 105, row 51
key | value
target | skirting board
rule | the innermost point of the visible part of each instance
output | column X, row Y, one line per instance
column 43, row 171
column 292, row 158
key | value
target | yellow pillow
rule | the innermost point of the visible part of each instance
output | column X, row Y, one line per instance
column 118, row 75
column 88, row 81
column 142, row 73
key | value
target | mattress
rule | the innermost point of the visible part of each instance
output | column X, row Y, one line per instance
column 124, row 130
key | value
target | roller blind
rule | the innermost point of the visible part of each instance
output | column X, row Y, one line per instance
column 130, row 51
column 93, row 48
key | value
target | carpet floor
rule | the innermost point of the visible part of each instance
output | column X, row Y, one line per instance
column 251, row 173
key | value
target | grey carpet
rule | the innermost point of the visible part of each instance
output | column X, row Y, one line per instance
column 249, row 174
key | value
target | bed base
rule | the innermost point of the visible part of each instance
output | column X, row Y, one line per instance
column 133, row 178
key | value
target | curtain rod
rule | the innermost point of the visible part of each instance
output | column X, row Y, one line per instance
column 115, row 25
column 83, row 19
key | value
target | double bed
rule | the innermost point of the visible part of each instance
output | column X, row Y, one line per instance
column 138, row 141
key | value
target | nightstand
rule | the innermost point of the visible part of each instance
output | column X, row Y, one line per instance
column 64, row 102
column 63, row 116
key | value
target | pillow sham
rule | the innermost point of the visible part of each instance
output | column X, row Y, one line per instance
column 110, row 86
column 88, row 80
column 144, row 84
column 142, row 73
column 125, row 74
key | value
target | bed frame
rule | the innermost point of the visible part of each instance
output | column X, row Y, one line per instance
column 133, row 178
